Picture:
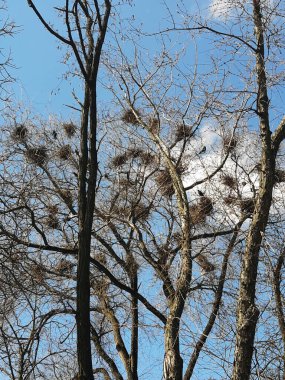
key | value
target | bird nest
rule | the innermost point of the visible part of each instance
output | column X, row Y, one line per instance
column 37, row 155
column 52, row 221
column 145, row 157
column 205, row 264
column 229, row 142
column 119, row 160
column 69, row 129
column 230, row 200
column 67, row 196
column 129, row 117
column 197, row 215
column 164, row 182
column 20, row 132
column 64, row 266
column 229, row 181
column 182, row 132
column 64, row 152
column 138, row 211
column 201, row 210
column 247, row 205
column 37, row 272
column 135, row 152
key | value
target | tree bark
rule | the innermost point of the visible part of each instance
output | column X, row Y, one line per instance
column 247, row 311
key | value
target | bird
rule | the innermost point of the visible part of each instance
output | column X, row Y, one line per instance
column 203, row 150
column 200, row 193
column 54, row 134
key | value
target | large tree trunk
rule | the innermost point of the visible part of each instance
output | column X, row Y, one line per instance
column 84, row 355
column 173, row 363
column 88, row 168
column 247, row 312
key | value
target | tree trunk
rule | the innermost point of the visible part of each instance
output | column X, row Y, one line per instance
column 85, row 370
column 247, row 312
column 135, row 329
column 173, row 363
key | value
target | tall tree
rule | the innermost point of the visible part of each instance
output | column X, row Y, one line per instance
column 86, row 23
column 185, row 185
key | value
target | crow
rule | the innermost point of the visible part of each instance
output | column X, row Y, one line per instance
column 203, row 150
column 200, row 193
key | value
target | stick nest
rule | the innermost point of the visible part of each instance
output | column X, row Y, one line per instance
column 247, row 205
column 182, row 132
column 129, row 117
column 65, row 152
column 119, row 160
column 20, row 132
column 69, row 129
column 205, row 264
column 164, row 182
column 37, row 155
column 64, row 266
column 229, row 142
column 67, row 196
column 201, row 210
column 229, row 181
column 139, row 211
column 145, row 157
column 230, row 200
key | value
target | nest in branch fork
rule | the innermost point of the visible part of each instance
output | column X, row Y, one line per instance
column 65, row 152
column 129, row 117
column 145, row 157
column 69, row 129
column 229, row 142
column 197, row 215
column 247, row 205
column 229, row 181
column 52, row 221
column 205, row 264
column 20, row 132
column 279, row 176
column 67, row 196
column 52, row 209
column 99, row 285
column 119, row 160
column 230, row 200
column 125, row 184
column 37, row 155
column 199, row 211
column 37, row 273
column 141, row 211
column 138, row 211
column 164, row 182
column 64, row 266
column 182, row 132
column 135, row 152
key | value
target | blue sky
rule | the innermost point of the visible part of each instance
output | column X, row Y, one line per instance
column 40, row 81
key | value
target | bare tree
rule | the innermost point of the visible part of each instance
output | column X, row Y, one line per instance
column 86, row 25
column 188, row 199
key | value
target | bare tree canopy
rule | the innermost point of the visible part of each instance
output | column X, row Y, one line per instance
column 143, row 236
